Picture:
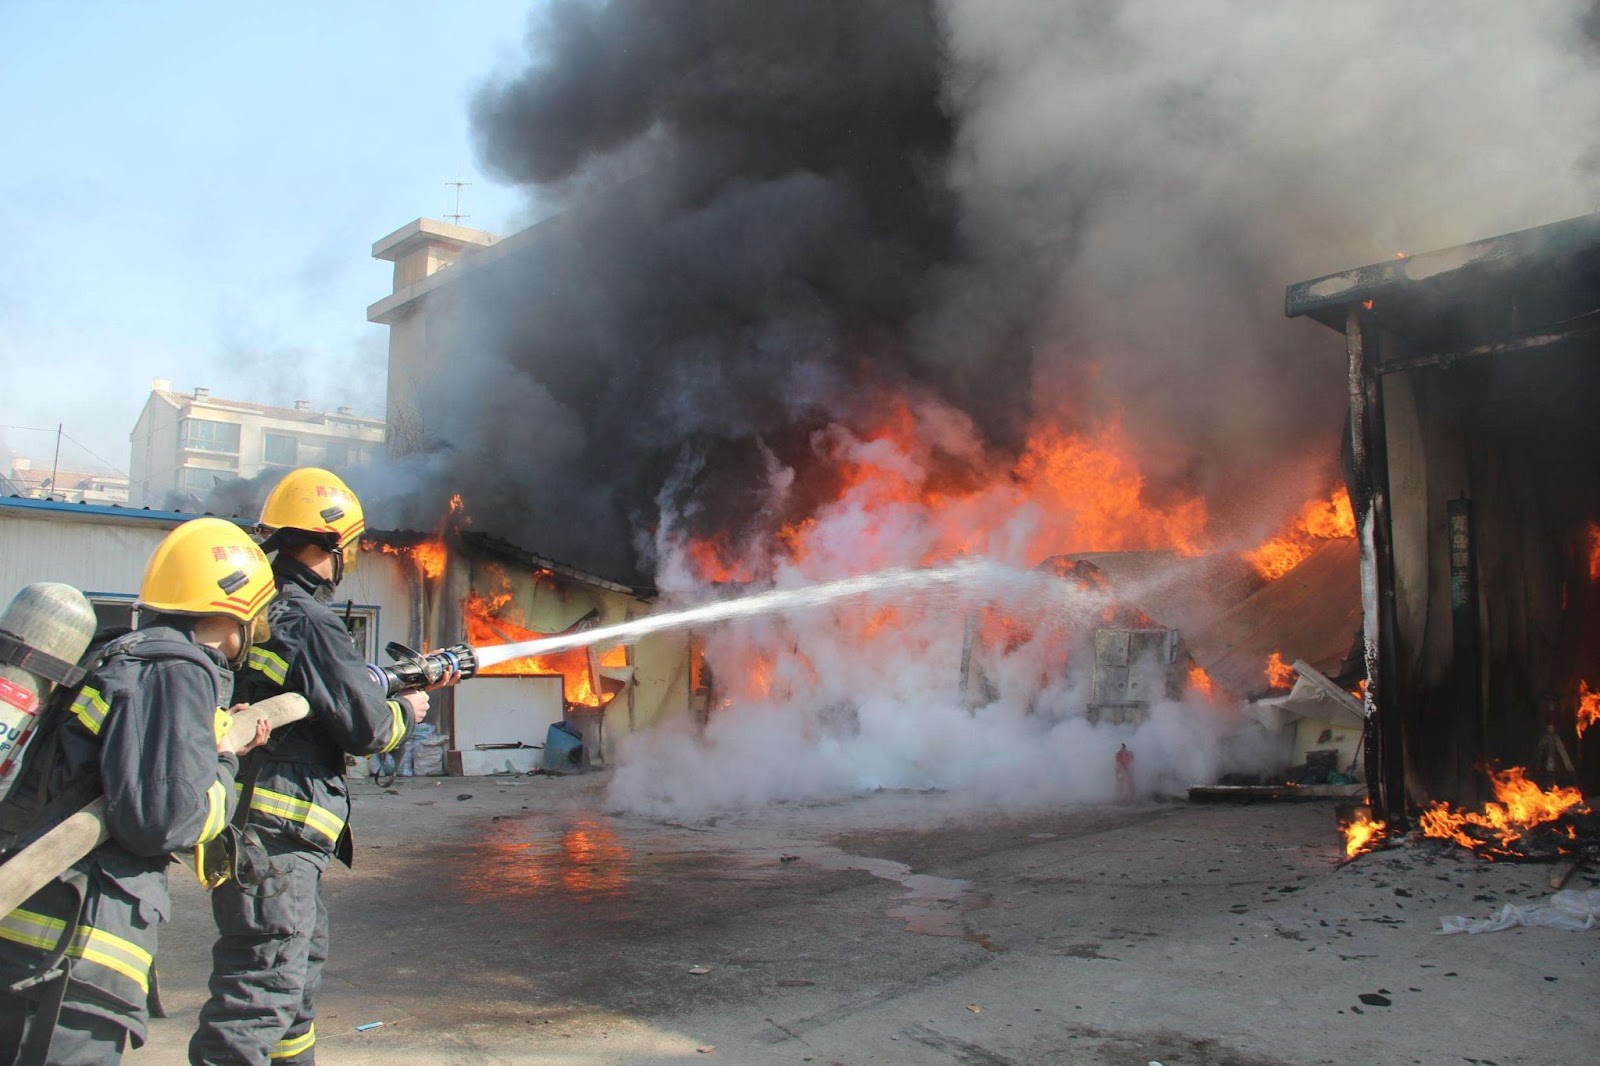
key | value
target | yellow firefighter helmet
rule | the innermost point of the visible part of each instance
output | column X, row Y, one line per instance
column 208, row 566
column 317, row 502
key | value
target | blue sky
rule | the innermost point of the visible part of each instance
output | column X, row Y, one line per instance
column 191, row 191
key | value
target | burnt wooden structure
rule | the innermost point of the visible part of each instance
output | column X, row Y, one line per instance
column 1474, row 466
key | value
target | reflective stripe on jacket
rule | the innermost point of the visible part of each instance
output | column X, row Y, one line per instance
column 300, row 792
column 107, row 959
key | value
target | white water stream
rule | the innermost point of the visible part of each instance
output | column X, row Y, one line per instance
column 899, row 580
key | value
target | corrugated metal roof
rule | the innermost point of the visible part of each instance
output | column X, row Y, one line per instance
column 398, row 537
column 107, row 512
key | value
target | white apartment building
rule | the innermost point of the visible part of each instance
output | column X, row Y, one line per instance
column 185, row 442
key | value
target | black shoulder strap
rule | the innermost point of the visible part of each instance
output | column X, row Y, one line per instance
column 14, row 651
column 154, row 647
column 29, row 810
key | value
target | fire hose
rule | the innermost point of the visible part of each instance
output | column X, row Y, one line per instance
column 40, row 862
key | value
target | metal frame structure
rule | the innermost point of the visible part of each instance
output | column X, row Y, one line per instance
column 1512, row 295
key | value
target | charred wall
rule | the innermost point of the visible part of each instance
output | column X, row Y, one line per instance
column 1517, row 434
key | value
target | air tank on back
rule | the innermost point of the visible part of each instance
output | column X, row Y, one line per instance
column 50, row 617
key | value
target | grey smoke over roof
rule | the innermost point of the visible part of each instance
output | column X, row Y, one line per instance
column 782, row 214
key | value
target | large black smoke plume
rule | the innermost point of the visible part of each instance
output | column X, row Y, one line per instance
column 774, row 214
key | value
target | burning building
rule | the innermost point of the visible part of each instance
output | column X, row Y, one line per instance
column 821, row 291
column 460, row 586
column 1474, row 379
column 423, row 590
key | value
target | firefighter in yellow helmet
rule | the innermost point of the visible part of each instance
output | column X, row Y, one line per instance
column 142, row 728
column 273, row 935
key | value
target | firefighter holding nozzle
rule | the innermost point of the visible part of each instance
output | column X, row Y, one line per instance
column 272, row 922
column 145, row 730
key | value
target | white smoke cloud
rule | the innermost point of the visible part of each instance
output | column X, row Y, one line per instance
column 820, row 704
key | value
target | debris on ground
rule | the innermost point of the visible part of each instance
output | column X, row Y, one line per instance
column 1569, row 909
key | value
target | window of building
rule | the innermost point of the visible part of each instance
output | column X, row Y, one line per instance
column 336, row 454
column 362, row 622
column 278, row 449
column 200, row 480
column 112, row 610
column 203, row 434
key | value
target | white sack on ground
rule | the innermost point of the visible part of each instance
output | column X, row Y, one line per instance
column 1570, row 909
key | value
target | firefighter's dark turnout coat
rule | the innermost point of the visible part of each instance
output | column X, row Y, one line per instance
column 267, row 962
column 144, row 723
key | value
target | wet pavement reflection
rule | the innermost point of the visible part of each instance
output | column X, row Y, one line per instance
column 582, row 862
column 584, row 875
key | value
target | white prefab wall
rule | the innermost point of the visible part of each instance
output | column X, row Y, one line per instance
column 96, row 553
column 90, row 556
column 504, row 710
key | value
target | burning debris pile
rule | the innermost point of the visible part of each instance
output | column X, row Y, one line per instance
column 1525, row 822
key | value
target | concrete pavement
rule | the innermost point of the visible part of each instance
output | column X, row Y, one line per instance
column 524, row 924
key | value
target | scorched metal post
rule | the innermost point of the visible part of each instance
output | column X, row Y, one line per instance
column 1370, row 464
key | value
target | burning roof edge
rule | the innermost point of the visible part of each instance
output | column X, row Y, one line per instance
column 506, row 551
column 1326, row 298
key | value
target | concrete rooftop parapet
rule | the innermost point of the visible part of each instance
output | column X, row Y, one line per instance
column 429, row 231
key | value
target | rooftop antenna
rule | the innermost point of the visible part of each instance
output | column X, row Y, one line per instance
column 456, row 218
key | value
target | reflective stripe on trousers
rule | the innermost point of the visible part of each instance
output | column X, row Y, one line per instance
column 291, row 1047
column 266, row 967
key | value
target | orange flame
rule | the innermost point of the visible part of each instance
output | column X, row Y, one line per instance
column 429, row 557
column 1319, row 519
column 1588, row 707
column 1096, row 497
column 1521, row 805
column 1362, row 834
column 494, row 620
column 1280, row 675
column 1083, row 491
column 1199, row 682
column 1001, row 631
column 713, row 560
column 760, row 679
column 1594, row 551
